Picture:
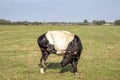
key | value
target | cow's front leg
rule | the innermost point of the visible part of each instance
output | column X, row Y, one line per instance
column 74, row 65
column 43, row 59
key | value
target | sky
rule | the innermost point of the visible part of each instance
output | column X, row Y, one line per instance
column 60, row 10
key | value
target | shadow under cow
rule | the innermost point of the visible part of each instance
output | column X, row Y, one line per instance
column 67, row 68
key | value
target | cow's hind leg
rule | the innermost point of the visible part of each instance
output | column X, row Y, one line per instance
column 43, row 59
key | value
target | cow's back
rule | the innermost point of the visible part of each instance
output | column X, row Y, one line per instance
column 60, row 39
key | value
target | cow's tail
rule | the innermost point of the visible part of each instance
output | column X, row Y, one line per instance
column 41, row 42
column 38, row 41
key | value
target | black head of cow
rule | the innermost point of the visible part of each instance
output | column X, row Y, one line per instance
column 68, row 58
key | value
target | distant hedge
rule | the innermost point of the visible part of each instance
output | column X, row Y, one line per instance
column 117, row 22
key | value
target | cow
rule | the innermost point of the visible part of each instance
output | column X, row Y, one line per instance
column 60, row 42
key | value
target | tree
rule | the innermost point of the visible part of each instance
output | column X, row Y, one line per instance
column 4, row 22
column 117, row 22
column 101, row 22
column 85, row 21
column 97, row 22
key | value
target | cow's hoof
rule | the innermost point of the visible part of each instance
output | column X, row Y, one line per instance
column 76, row 73
column 42, row 71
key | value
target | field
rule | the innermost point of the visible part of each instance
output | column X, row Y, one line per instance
column 19, row 54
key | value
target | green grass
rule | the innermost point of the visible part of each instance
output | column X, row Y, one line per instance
column 19, row 54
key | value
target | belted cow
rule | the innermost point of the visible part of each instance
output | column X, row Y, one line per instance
column 60, row 42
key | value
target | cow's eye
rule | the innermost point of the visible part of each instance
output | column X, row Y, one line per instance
column 68, row 53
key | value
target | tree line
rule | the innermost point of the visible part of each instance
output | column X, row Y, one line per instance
column 85, row 22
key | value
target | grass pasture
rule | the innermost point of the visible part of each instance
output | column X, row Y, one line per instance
column 19, row 54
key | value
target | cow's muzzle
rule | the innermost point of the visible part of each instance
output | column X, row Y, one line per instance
column 62, row 65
